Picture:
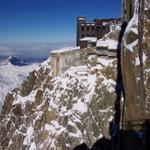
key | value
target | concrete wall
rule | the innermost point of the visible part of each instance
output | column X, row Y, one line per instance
column 60, row 62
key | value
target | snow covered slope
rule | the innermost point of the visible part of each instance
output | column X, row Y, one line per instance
column 11, row 76
column 51, row 113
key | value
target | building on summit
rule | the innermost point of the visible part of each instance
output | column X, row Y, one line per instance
column 90, row 41
column 96, row 28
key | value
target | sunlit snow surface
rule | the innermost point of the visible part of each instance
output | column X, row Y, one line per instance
column 11, row 76
column 71, row 98
column 110, row 43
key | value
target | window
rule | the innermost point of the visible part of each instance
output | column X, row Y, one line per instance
column 92, row 28
column 92, row 35
column 88, row 35
column 103, row 27
column 82, row 35
column 97, row 28
column 82, row 28
column 88, row 28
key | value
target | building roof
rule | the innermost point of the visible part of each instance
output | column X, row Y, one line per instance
column 66, row 49
column 106, row 19
column 89, row 39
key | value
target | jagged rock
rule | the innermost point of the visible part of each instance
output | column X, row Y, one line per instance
column 135, row 62
column 38, row 97
column 130, row 37
column 17, row 110
column 60, row 112
column 30, row 108
column 28, row 85
column 7, row 103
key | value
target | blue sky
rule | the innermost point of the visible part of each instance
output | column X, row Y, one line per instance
column 49, row 20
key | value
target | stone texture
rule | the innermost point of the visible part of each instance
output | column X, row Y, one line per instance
column 60, row 62
column 135, row 61
column 45, row 111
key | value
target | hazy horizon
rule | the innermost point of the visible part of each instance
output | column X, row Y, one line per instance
column 33, row 49
column 33, row 22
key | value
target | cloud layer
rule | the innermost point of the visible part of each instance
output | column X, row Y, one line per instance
column 31, row 50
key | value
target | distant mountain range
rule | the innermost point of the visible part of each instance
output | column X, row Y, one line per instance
column 20, row 61
column 13, row 70
column 60, row 112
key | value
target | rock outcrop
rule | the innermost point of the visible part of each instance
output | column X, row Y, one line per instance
column 77, row 106
column 135, row 61
column 48, row 112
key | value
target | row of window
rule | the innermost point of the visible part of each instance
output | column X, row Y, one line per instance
column 87, row 28
column 83, row 28
column 88, row 35
column 101, row 27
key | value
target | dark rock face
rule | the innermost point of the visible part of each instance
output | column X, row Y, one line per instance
column 101, row 144
column 81, row 147
column 135, row 65
column 134, row 52
column 135, row 72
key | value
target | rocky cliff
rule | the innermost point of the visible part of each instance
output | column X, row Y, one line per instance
column 135, row 60
column 135, row 67
column 48, row 112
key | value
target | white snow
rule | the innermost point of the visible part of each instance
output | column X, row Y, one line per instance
column 60, row 97
column 89, row 39
column 11, row 76
column 110, row 43
column 131, row 45
column 45, row 64
column 101, row 43
column 137, row 61
column 105, row 110
column 104, row 23
column 47, row 127
column 23, row 100
column 144, row 57
column 115, row 27
column 66, row 49
column 132, row 26
column 54, row 128
column 29, row 135
column 103, row 61
column 91, row 87
column 111, row 118
column 80, row 107
column 33, row 146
